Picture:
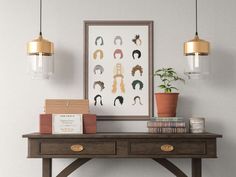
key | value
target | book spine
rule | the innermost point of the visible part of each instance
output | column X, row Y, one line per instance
column 167, row 130
column 168, row 119
column 166, row 124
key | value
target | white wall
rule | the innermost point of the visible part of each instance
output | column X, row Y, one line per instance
column 22, row 98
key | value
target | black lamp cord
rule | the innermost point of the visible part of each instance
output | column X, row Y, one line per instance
column 40, row 18
column 196, row 19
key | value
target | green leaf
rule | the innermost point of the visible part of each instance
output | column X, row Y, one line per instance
column 167, row 90
column 159, row 70
column 162, row 86
column 164, row 80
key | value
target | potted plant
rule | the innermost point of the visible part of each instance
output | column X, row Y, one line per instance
column 167, row 101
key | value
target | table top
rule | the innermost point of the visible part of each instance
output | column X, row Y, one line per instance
column 124, row 135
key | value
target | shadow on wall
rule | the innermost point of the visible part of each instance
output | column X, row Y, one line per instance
column 185, row 106
column 64, row 65
column 223, row 73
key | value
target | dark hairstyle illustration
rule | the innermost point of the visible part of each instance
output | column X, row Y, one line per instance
column 135, row 82
column 136, row 52
column 118, row 38
column 118, row 51
column 100, row 83
column 99, row 38
column 96, row 100
column 95, row 54
column 120, row 98
column 135, row 100
column 98, row 67
column 137, row 68
column 137, row 40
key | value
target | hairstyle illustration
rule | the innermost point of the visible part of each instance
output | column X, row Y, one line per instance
column 99, row 38
column 100, row 83
column 137, row 68
column 135, row 100
column 137, row 40
column 96, row 100
column 98, row 67
column 118, row 52
column 95, row 54
column 135, row 82
column 120, row 98
column 136, row 52
column 118, row 38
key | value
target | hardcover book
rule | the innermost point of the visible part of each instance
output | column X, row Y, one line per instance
column 167, row 130
column 167, row 119
column 166, row 124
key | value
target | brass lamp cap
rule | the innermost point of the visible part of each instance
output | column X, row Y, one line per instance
column 196, row 45
column 40, row 45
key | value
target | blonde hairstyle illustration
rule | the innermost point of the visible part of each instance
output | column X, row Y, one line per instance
column 118, row 73
column 95, row 54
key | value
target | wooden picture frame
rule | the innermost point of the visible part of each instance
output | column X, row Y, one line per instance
column 116, row 91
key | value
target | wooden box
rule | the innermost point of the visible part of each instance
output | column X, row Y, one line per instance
column 90, row 124
column 63, row 106
column 45, row 123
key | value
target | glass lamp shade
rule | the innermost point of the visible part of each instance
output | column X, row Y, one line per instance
column 197, row 66
column 196, row 51
column 41, row 60
column 41, row 66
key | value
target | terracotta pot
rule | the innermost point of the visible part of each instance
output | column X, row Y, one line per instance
column 166, row 104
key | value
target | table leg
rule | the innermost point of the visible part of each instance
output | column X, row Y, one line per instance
column 196, row 167
column 47, row 167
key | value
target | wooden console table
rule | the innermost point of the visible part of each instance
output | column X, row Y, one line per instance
column 126, row 145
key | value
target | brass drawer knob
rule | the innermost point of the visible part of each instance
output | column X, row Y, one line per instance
column 167, row 148
column 77, row 148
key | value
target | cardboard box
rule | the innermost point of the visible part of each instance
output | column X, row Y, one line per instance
column 45, row 123
column 90, row 123
column 63, row 106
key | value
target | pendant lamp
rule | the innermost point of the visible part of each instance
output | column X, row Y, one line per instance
column 40, row 52
column 196, row 51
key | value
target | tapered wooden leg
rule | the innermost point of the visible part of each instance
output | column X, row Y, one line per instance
column 47, row 167
column 196, row 167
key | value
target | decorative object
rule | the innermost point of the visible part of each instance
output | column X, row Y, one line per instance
column 167, row 101
column 197, row 125
column 67, row 124
column 90, row 123
column 196, row 50
column 40, row 51
column 158, row 147
column 64, row 106
column 118, row 69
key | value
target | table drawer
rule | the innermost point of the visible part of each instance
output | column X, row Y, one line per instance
column 78, row 147
column 168, row 147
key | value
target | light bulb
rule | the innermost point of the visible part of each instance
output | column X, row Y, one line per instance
column 196, row 60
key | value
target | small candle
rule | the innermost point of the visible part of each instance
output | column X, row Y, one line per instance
column 197, row 124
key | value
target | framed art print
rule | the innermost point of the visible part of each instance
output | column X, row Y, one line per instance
column 119, row 69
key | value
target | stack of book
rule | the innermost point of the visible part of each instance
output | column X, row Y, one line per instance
column 167, row 125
